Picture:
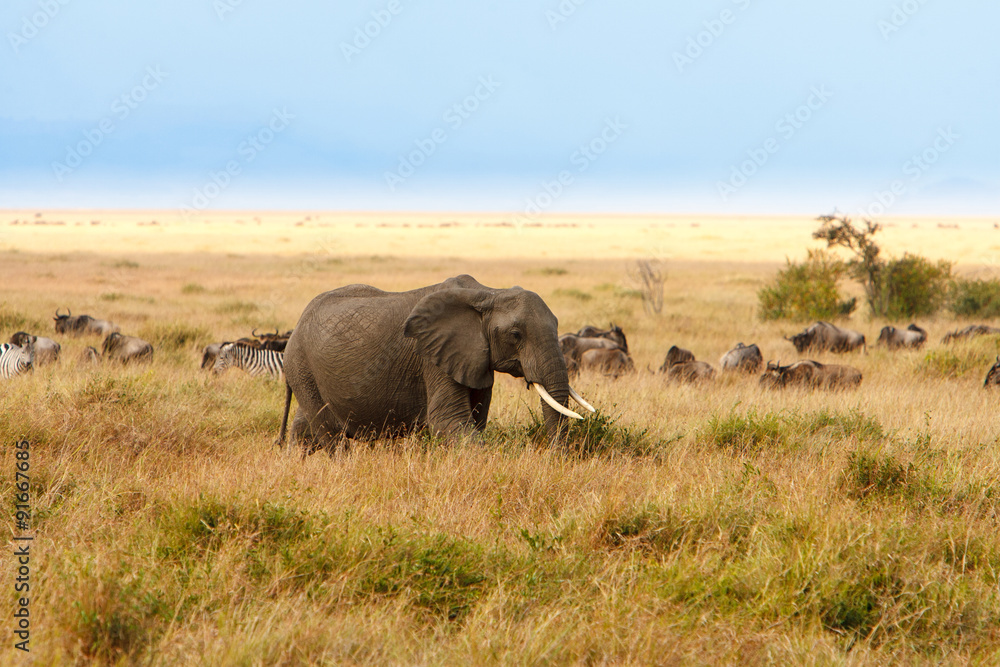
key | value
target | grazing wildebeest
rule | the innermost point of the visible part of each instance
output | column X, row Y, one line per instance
column 276, row 341
column 574, row 346
column 609, row 362
column 690, row 371
column 746, row 358
column 824, row 336
column 614, row 334
column 46, row 349
column 971, row 331
column 90, row 356
column 209, row 354
column 254, row 360
column 126, row 349
column 893, row 338
column 676, row 355
column 82, row 325
column 993, row 375
column 15, row 360
column 811, row 374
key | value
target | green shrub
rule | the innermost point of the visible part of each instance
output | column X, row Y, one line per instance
column 975, row 298
column 745, row 434
column 876, row 475
column 913, row 286
column 192, row 288
column 806, row 291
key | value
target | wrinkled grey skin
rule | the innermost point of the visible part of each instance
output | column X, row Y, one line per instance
column 746, row 358
column 366, row 363
column 810, row 374
column 970, row 331
column 614, row 334
column 893, row 338
column 824, row 336
column 993, row 375
column 126, row 349
column 608, row 362
column 690, row 371
column 573, row 346
column 676, row 355
column 46, row 349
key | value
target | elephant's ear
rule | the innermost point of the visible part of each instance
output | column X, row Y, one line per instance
column 448, row 328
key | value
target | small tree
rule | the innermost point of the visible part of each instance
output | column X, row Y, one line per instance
column 866, row 266
column 650, row 277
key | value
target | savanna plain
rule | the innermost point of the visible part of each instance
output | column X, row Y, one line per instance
column 682, row 524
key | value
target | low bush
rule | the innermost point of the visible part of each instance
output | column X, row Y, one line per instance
column 806, row 291
column 913, row 286
column 975, row 298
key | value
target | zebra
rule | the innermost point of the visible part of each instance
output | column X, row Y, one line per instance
column 254, row 360
column 15, row 360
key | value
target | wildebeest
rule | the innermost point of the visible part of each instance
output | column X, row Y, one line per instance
column 573, row 346
column 746, row 358
column 15, row 360
column 893, row 338
column 993, row 375
column 614, row 334
column 690, row 371
column 126, row 349
column 82, row 325
column 810, row 374
column 90, row 356
column 254, row 360
column 46, row 349
column 609, row 362
column 823, row 336
column 273, row 341
column 676, row 355
column 971, row 331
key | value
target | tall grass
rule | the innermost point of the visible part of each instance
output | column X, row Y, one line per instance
column 680, row 524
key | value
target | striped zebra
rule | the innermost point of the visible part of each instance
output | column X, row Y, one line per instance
column 14, row 360
column 254, row 360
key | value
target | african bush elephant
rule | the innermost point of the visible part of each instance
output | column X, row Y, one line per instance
column 365, row 363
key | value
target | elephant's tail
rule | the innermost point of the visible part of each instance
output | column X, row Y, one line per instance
column 284, row 418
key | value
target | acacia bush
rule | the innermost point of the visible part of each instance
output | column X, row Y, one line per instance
column 913, row 286
column 806, row 291
column 975, row 298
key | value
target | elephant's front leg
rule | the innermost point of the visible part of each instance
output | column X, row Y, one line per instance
column 450, row 406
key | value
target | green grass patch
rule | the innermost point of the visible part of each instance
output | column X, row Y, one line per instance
column 193, row 288
column 747, row 433
column 237, row 307
column 573, row 293
column 170, row 337
column 12, row 320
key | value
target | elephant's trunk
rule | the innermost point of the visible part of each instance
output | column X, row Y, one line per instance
column 555, row 380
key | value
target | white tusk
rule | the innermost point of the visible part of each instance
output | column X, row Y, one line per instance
column 579, row 399
column 552, row 402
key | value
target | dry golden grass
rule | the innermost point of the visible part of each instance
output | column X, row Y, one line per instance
column 703, row 524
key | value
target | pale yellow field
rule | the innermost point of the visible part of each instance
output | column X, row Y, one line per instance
column 711, row 524
column 969, row 241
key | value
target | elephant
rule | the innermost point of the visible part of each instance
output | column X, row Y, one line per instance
column 365, row 363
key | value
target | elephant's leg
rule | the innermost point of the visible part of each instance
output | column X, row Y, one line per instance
column 480, row 401
column 449, row 404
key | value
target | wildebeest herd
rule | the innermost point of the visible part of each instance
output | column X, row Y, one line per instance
column 365, row 362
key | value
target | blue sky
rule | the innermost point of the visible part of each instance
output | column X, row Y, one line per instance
column 730, row 106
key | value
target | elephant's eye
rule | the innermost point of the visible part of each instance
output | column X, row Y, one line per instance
column 515, row 334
